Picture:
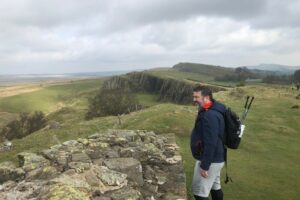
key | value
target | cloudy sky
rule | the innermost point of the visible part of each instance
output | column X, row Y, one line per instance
column 54, row 36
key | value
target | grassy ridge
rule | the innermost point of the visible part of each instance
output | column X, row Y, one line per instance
column 173, row 73
column 265, row 166
column 209, row 70
column 190, row 77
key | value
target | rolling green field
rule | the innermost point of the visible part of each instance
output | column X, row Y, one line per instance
column 265, row 167
column 173, row 73
column 50, row 98
column 189, row 76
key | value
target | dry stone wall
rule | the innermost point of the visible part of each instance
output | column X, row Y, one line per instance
column 111, row 165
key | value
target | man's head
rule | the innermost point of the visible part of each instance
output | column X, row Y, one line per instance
column 202, row 94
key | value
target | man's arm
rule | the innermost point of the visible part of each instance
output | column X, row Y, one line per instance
column 210, row 139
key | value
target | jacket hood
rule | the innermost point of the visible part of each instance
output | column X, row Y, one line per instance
column 218, row 107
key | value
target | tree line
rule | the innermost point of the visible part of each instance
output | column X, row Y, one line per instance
column 241, row 74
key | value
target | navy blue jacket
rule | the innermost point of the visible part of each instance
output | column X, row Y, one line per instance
column 206, row 142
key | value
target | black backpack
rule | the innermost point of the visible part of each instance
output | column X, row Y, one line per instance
column 232, row 132
column 232, row 129
column 233, row 125
column 231, row 137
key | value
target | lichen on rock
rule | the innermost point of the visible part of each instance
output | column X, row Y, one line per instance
column 115, row 164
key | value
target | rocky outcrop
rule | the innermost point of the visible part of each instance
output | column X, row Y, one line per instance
column 168, row 89
column 135, row 82
column 113, row 165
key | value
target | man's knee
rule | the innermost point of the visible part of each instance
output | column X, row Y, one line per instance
column 216, row 194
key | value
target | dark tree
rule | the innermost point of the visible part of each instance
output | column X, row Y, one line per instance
column 297, row 76
column 35, row 121
column 24, row 125
column 277, row 79
column 112, row 102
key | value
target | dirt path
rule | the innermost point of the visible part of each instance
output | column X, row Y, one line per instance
column 20, row 89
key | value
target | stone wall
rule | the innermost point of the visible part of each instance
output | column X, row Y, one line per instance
column 113, row 165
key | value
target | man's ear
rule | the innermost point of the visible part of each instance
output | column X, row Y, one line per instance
column 206, row 98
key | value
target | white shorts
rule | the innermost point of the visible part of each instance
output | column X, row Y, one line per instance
column 201, row 186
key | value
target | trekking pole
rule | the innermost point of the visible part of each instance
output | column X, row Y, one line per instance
column 247, row 107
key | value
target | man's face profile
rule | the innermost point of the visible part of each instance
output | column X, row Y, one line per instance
column 198, row 98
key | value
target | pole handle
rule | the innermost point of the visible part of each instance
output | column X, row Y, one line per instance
column 250, row 103
column 246, row 102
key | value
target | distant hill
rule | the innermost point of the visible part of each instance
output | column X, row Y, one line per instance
column 263, row 73
column 220, row 73
column 211, row 70
column 275, row 68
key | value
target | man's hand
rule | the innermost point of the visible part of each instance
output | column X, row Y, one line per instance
column 204, row 173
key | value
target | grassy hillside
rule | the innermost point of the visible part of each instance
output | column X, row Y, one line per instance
column 191, row 76
column 265, row 166
column 6, row 117
column 176, row 74
column 50, row 98
column 209, row 70
column 72, row 114
column 6, row 91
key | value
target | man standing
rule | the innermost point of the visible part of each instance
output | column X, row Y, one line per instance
column 207, row 146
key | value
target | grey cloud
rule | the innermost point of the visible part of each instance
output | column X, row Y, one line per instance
column 278, row 14
column 46, row 14
column 99, row 34
column 114, row 15
column 132, row 13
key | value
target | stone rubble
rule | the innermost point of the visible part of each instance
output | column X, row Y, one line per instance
column 111, row 165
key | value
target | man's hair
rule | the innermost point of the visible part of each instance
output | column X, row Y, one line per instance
column 205, row 91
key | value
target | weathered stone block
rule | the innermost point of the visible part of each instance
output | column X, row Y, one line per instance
column 8, row 171
column 31, row 161
column 130, row 166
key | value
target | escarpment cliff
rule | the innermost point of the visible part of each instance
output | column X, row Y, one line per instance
column 111, row 165
column 168, row 89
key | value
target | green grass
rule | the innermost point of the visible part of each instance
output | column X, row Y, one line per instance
column 162, row 118
column 6, row 117
column 210, row 70
column 266, row 161
column 265, row 167
column 173, row 73
column 50, row 98
column 190, row 77
column 146, row 99
column 188, row 161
